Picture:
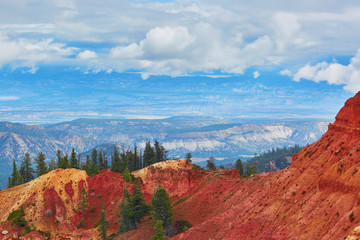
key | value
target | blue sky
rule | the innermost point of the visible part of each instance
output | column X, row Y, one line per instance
column 61, row 60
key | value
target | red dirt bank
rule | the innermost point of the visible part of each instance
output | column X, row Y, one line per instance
column 317, row 197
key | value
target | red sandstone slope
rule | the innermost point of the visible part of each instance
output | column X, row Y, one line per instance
column 317, row 197
column 51, row 201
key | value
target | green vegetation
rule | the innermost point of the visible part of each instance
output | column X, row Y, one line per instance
column 132, row 208
column 82, row 206
column 210, row 163
column 41, row 168
column 126, row 222
column 153, row 154
column 159, row 231
column 250, row 169
column 74, row 163
column 161, row 206
column 26, row 171
column 239, row 166
column 17, row 217
column 126, row 175
column 102, row 224
column 126, row 161
column 182, row 225
column 278, row 156
column 188, row 157
column 15, row 178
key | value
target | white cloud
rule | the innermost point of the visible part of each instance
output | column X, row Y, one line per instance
column 286, row 72
column 28, row 52
column 87, row 54
column 334, row 73
column 176, row 37
column 9, row 98
column 256, row 74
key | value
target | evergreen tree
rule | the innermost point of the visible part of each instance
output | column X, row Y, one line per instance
column 94, row 159
column 163, row 155
column 82, row 206
column 158, row 154
column 250, row 169
column 188, row 157
column 126, row 220
column 115, row 161
column 102, row 163
column 136, row 159
column 159, row 231
column 52, row 165
column 126, row 175
column 149, row 154
column 87, row 166
column 123, row 160
column 138, row 206
column 15, row 178
column 102, row 224
column 74, row 163
column 59, row 158
column 64, row 162
column 210, row 163
column 26, row 171
column 239, row 166
column 161, row 206
column 41, row 168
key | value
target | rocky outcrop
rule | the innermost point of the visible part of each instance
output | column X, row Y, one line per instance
column 317, row 197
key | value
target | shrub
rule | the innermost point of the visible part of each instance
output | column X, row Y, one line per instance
column 182, row 225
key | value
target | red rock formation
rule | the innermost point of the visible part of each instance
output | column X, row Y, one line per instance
column 317, row 197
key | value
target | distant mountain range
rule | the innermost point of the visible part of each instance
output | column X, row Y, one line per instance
column 202, row 136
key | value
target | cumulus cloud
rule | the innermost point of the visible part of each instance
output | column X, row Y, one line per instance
column 334, row 73
column 87, row 54
column 256, row 74
column 28, row 52
column 286, row 72
column 176, row 37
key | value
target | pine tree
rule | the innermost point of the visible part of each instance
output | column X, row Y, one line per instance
column 102, row 163
column 188, row 157
column 82, row 206
column 239, row 166
column 126, row 220
column 87, row 166
column 164, row 152
column 123, row 161
column 159, row 231
column 74, row 163
column 126, row 175
column 102, row 224
column 64, row 162
column 94, row 159
column 59, row 158
column 15, row 178
column 52, row 165
column 26, row 171
column 138, row 206
column 210, row 163
column 158, row 153
column 161, row 206
column 136, row 159
column 115, row 160
column 41, row 168
column 149, row 154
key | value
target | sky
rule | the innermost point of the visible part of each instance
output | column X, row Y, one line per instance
column 280, row 59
